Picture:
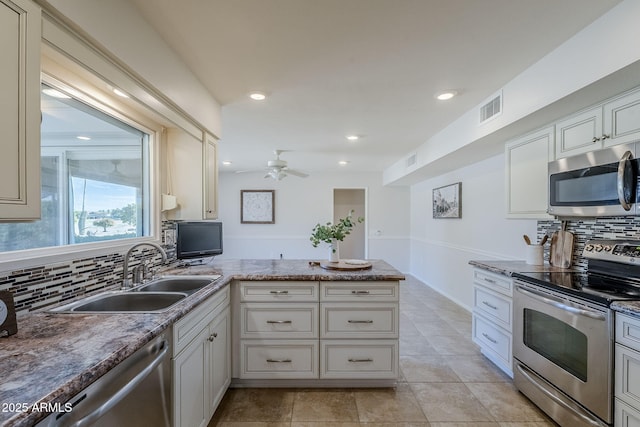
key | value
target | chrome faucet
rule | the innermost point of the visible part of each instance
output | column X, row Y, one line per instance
column 126, row 283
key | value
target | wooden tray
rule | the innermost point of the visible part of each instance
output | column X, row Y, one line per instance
column 341, row 265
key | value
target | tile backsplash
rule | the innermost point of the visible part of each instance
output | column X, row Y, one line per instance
column 591, row 228
column 42, row 287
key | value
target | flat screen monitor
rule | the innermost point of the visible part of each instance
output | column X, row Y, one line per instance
column 198, row 239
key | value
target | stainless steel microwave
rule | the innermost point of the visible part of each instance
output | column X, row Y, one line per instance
column 599, row 183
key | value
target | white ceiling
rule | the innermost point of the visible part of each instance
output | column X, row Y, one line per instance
column 365, row 67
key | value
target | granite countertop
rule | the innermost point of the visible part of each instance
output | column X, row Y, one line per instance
column 507, row 268
column 55, row 355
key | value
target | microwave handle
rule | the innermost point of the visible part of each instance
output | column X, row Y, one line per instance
column 622, row 166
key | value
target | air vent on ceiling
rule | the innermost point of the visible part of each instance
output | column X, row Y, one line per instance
column 492, row 108
column 411, row 160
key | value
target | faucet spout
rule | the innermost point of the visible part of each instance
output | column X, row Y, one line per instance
column 126, row 283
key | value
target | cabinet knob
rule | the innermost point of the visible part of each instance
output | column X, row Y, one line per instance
column 212, row 337
column 605, row 136
column 595, row 139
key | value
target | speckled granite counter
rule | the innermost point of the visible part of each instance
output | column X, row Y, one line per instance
column 507, row 268
column 627, row 307
column 55, row 356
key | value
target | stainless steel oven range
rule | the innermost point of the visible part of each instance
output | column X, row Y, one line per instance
column 564, row 333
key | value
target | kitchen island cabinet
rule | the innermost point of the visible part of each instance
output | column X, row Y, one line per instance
column 73, row 350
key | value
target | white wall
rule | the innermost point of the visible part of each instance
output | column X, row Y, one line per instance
column 442, row 248
column 301, row 203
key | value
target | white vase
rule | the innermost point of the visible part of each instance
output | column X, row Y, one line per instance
column 334, row 253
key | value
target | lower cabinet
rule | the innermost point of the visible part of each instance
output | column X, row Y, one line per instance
column 492, row 317
column 201, row 363
column 627, row 371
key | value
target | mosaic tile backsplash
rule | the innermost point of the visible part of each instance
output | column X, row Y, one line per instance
column 42, row 287
column 591, row 228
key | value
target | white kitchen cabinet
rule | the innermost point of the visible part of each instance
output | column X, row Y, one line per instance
column 492, row 324
column 627, row 371
column 201, row 363
column 20, row 38
column 617, row 121
column 210, row 176
column 526, row 160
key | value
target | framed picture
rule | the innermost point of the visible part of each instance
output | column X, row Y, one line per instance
column 447, row 201
column 257, row 207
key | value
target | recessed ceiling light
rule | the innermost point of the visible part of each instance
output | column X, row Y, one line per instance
column 443, row 96
column 258, row 96
column 226, row 162
column 55, row 93
column 83, row 138
column 353, row 137
column 120, row 93
column 343, row 162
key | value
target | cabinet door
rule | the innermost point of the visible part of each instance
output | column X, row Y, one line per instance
column 191, row 384
column 622, row 120
column 579, row 134
column 526, row 175
column 20, row 110
column 219, row 358
column 210, row 176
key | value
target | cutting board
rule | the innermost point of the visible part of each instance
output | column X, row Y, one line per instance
column 345, row 265
column 561, row 249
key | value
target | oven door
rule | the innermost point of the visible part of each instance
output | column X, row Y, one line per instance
column 600, row 183
column 568, row 342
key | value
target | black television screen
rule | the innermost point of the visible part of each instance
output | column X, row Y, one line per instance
column 198, row 239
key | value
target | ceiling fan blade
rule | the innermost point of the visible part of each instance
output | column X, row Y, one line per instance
column 296, row 173
column 251, row 170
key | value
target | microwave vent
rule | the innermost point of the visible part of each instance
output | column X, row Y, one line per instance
column 491, row 109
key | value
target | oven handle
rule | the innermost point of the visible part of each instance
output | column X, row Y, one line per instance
column 556, row 302
column 573, row 409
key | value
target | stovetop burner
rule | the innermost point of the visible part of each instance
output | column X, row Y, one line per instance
column 613, row 273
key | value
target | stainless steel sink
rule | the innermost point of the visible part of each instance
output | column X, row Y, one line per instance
column 186, row 284
column 124, row 302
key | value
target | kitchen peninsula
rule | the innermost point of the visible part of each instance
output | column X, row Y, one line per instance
column 54, row 356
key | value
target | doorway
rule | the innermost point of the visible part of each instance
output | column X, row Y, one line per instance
column 345, row 200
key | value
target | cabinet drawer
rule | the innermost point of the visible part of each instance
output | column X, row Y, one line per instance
column 492, row 339
column 628, row 331
column 496, row 307
column 276, row 291
column 275, row 359
column 273, row 320
column 359, row 320
column 359, row 291
column 493, row 281
column 627, row 378
column 625, row 415
column 370, row 359
column 185, row 329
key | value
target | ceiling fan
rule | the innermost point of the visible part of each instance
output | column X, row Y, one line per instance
column 278, row 169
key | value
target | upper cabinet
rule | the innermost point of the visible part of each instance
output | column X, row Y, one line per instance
column 20, row 34
column 210, row 175
column 526, row 161
column 615, row 122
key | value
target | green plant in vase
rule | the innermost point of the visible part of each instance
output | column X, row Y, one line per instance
column 334, row 233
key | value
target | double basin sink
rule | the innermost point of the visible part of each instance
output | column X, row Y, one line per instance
column 155, row 296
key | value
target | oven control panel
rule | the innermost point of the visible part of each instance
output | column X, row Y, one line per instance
column 624, row 251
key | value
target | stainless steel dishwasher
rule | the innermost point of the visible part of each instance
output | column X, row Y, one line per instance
column 137, row 392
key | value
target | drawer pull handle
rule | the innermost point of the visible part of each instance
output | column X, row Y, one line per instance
column 490, row 281
column 360, row 292
column 279, row 360
column 279, row 322
column 489, row 305
column 279, row 292
column 360, row 321
column 356, row 360
column 489, row 338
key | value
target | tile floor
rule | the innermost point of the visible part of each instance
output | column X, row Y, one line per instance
column 445, row 382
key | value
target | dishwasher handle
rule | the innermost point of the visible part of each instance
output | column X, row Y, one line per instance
column 124, row 391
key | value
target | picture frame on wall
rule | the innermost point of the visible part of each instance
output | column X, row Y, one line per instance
column 447, row 201
column 257, row 207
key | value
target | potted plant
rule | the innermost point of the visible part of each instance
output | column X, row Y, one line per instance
column 334, row 233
